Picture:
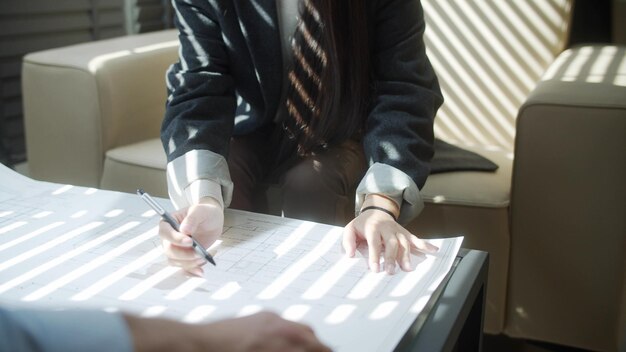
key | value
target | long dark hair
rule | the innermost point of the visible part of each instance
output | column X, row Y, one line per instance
column 341, row 103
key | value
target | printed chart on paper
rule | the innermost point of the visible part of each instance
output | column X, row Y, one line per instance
column 63, row 246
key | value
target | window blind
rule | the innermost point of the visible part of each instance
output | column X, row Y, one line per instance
column 34, row 25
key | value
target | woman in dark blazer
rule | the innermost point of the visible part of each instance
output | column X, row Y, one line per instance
column 334, row 100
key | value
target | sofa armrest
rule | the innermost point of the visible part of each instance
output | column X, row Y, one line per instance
column 567, row 203
column 82, row 100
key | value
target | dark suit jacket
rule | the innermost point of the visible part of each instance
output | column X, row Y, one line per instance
column 229, row 79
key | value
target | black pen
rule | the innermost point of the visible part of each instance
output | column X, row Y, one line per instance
column 170, row 220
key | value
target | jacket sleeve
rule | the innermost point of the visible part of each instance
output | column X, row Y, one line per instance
column 200, row 108
column 201, row 101
column 406, row 94
column 399, row 138
column 72, row 330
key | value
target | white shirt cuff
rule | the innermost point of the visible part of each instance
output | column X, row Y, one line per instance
column 387, row 180
column 204, row 188
column 198, row 174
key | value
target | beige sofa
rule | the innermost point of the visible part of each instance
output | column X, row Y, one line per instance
column 551, row 217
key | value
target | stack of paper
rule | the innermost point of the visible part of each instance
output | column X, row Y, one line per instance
column 66, row 246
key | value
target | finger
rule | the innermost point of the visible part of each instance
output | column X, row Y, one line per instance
column 349, row 240
column 391, row 252
column 306, row 328
column 321, row 348
column 166, row 232
column 197, row 271
column 192, row 266
column 187, row 264
column 404, row 250
column 192, row 221
column 174, row 252
column 304, row 337
column 420, row 244
column 373, row 245
column 317, row 346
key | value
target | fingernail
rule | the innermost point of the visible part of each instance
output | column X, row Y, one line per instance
column 375, row 267
column 390, row 268
column 407, row 265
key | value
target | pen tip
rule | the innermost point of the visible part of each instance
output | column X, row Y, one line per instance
column 140, row 191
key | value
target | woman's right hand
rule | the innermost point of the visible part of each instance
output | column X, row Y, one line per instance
column 204, row 221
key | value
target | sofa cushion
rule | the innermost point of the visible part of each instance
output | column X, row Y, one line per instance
column 137, row 165
column 449, row 157
column 476, row 188
column 473, row 188
column 147, row 153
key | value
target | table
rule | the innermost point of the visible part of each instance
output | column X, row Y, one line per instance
column 455, row 320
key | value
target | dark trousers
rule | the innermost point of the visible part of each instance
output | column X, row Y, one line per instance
column 319, row 187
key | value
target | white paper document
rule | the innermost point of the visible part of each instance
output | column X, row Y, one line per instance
column 66, row 246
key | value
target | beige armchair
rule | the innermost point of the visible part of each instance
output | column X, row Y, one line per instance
column 83, row 102
column 551, row 216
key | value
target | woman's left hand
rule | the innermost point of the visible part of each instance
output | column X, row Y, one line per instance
column 384, row 236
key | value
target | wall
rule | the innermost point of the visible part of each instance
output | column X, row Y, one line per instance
column 34, row 25
column 619, row 22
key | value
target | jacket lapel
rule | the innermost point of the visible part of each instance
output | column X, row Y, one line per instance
column 258, row 20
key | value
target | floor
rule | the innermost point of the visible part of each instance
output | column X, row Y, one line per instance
column 501, row 343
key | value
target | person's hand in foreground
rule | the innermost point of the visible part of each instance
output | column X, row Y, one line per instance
column 384, row 236
column 204, row 221
column 259, row 332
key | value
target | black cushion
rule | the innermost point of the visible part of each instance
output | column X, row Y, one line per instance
column 449, row 157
